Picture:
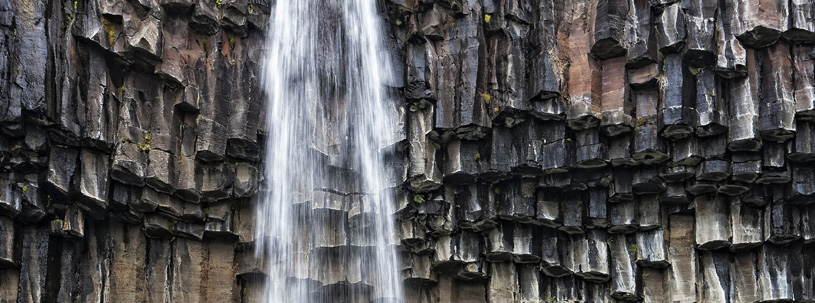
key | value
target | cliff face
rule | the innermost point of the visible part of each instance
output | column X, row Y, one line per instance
column 129, row 149
column 553, row 151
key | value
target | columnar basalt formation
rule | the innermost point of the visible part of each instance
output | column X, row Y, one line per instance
column 553, row 151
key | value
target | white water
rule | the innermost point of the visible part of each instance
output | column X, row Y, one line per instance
column 324, row 74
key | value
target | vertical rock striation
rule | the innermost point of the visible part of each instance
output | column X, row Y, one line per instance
column 546, row 151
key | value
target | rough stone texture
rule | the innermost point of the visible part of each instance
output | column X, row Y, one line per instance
column 553, row 151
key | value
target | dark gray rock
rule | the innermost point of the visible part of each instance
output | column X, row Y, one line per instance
column 8, row 256
column 670, row 28
column 711, row 231
column 701, row 28
column 93, row 181
column 61, row 170
column 642, row 50
column 710, row 104
column 679, row 117
column 777, row 110
column 743, row 134
column 609, row 27
column 622, row 251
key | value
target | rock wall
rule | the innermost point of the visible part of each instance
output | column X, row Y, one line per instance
column 129, row 149
column 554, row 151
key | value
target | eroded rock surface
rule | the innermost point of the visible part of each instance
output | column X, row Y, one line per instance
column 552, row 151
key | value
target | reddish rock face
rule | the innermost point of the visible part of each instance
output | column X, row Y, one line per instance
column 550, row 151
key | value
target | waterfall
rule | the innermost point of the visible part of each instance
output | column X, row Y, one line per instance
column 325, row 227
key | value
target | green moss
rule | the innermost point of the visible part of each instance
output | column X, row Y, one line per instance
column 641, row 121
column 418, row 199
column 71, row 18
column 400, row 14
column 487, row 18
column 171, row 225
column 145, row 146
column 206, row 211
column 110, row 29
column 71, row 21
column 486, row 97
column 633, row 249
column 497, row 190
column 219, row 2
column 124, row 140
column 25, row 188
column 232, row 41
column 477, row 157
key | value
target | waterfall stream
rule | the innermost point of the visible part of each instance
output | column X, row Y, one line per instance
column 324, row 221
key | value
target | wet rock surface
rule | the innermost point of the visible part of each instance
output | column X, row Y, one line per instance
column 552, row 151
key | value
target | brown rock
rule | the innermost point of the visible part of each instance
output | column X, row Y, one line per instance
column 128, row 261
column 802, row 22
column 615, row 102
column 682, row 275
column 584, row 73
column 804, row 81
column 759, row 23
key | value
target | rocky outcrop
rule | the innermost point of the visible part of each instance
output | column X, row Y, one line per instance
column 553, row 151
column 129, row 149
column 649, row 157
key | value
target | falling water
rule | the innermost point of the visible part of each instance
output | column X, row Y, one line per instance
column 324, row 224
